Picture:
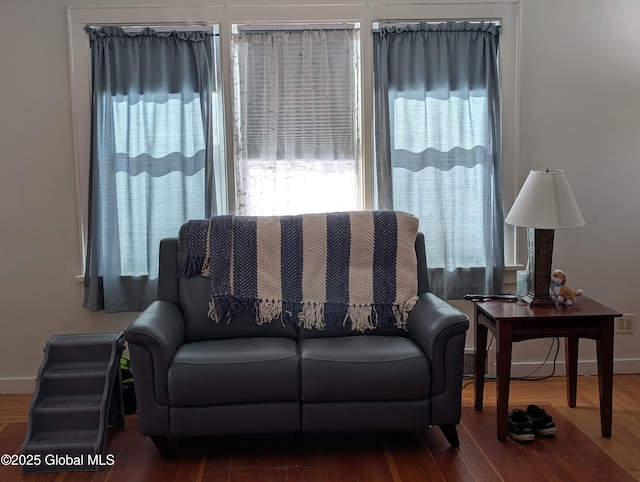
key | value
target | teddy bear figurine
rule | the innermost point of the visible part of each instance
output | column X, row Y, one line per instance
column 560, row 292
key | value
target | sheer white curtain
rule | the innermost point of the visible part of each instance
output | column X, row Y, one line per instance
column 296, row 116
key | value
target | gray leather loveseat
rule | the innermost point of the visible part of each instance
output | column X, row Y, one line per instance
column 196, row 377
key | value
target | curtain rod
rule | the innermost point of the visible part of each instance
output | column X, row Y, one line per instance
column 257, row 27
column 401, row 23
column 171, row 28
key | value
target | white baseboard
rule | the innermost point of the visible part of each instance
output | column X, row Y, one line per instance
column 17, row 386
column 626, row 366
column 585, row 367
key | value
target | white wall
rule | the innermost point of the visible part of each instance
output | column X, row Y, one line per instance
column 579, row 111
column 39, row 240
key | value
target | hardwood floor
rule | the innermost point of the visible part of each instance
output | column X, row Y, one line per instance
column 576, row 451
column 624, row 444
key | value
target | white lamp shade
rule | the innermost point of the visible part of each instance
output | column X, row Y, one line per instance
column 546, row 202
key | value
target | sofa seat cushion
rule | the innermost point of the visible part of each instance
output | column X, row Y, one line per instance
column 243, row 370
column 363, row 368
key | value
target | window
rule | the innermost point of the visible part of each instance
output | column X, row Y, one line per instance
column 296, row 113
column 345, row 174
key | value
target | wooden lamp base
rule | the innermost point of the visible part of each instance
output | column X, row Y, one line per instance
column 540, row 255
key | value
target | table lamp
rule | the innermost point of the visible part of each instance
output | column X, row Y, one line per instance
column 545, row 203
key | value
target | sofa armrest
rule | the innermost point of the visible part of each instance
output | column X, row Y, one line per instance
column 432, row 324
column 158, row 332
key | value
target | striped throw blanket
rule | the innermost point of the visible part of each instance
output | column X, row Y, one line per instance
column 355, row 269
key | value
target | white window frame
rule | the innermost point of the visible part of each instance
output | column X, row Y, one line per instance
column 286, row 11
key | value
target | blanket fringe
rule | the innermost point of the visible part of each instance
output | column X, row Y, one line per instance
column 268, row 310
column 401, row 312
column 213, row 312
column 312, row 316
column 290, row 311
column 361, row 317
column 192, row 266
column 227, row 307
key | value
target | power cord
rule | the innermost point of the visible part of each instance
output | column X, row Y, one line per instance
column 529, row 377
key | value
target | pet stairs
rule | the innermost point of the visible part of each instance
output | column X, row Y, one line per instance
column 78, row 395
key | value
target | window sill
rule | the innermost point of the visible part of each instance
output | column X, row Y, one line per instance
column 514, row 267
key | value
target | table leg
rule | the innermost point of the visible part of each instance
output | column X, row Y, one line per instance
column 571, row 360
column 503, row 374
column 604, row 349
column 479, row 361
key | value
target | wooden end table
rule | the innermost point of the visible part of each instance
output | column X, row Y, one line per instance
column 514, row 321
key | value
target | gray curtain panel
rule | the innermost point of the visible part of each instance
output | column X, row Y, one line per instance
column 151, row 156
column 438, row 146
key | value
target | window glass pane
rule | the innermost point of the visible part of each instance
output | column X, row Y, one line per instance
column 439, row 163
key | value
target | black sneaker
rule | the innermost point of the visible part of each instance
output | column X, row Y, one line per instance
column 519, row 427
column 542, row 422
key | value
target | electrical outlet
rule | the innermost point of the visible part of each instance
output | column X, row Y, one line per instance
column 628, row 324
column 625, row 324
